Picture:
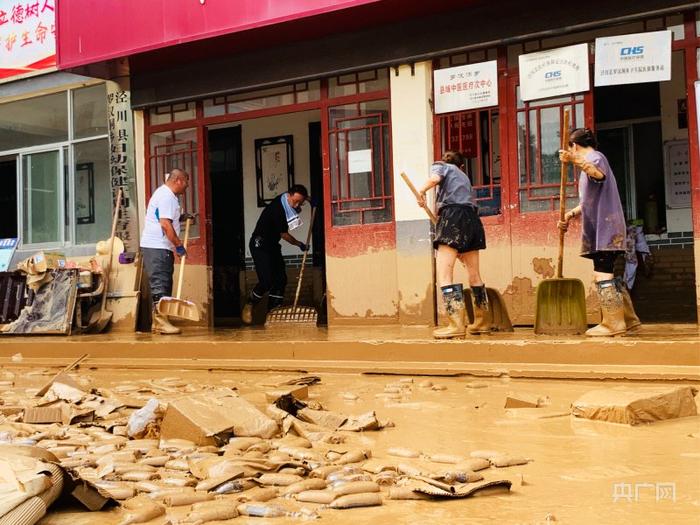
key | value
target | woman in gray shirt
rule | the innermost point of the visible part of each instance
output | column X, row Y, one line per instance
column 603, row 231
column 459, row 234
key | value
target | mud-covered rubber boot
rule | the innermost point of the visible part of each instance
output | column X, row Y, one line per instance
column 247, row 311
column 453, row 299
column 612, row 309
column 632, row 322
column 161, row 325
column 483, row 316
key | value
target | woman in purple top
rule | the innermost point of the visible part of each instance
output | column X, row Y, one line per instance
column 603, row 231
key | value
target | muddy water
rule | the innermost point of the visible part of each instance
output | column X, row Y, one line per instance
column 576, row 465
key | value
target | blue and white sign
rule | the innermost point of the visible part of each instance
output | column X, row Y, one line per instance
column 633, row 59
column 7, row 250
column 554, row 72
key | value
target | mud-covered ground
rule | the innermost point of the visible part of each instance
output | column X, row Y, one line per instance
column 580, row 471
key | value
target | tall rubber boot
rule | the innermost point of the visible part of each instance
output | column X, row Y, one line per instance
column 632, row 322
column 483, row 316
column 612, row 309
column 247, row 311
column 274, row 301
column 161, row 324
column 453, row 299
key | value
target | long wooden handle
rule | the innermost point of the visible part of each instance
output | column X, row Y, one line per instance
column 410, row 185
column 562, row 191
column 303, row 259
column 106, row 271
column 182, row 259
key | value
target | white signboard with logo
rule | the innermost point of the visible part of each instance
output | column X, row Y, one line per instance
column 554, row 72
column 632, row 59
column 466, row 87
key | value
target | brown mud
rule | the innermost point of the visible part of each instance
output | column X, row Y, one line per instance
column 577, row 466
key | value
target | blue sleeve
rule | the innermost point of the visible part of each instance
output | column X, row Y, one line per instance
column 439, row 169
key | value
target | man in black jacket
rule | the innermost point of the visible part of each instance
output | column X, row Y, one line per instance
column 276, row 220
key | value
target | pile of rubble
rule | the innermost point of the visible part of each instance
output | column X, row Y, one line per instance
column 190, row 453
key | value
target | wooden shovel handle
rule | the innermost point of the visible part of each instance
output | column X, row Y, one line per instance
column 182, row 259
column 108, row 268
column 410, row 185
column 303, row 259
column 562, row 191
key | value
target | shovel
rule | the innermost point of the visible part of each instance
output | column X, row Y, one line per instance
column 101, row 318
column 174, row 306
column 296, row 314
column 500, row 317
column 561, row 303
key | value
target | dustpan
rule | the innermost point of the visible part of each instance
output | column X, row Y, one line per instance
column 500, row 318
column 561, row 302
column 174, row 306
column 296, row 314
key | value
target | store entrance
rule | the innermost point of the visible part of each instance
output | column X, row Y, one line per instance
column 226, row 186
column 628, row 122
column 8, row 197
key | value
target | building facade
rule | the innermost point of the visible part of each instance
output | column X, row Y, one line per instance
column 345, row 96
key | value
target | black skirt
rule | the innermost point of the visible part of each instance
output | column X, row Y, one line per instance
column 460, row 227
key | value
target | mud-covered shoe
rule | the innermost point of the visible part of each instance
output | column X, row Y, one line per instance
column 247, row 314
column 453, row 299
column 483, row 318
column 612, row 310
column 632, row 322
column 161, row 325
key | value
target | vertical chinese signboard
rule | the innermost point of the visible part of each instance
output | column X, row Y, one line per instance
column 121, row 161
column 27, row 36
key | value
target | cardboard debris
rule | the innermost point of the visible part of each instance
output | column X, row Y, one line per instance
column 89, row 496
column 523, row 400
column 299, row 392
column 209, row 419
column 633, row 406
column 58, row 413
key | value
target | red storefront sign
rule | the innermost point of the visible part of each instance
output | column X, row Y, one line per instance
column 27, row 36
column 126, row 27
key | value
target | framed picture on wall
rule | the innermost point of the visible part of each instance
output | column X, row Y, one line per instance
column 85, row 193
column 274, row 167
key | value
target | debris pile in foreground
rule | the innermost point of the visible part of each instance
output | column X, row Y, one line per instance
column 175, row 452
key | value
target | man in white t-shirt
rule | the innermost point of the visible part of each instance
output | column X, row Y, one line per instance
column 160, row 240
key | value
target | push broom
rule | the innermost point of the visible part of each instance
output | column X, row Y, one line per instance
column 295, row 313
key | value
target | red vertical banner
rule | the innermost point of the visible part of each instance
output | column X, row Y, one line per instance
column 27, row 36
column 462, row 134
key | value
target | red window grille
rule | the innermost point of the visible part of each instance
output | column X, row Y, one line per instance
column 475, row 134
column 176, row 149
column 360, row 158
column 539, row 141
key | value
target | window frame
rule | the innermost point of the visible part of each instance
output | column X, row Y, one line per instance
column 66, row 182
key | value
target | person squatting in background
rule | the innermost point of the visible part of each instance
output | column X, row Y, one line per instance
column 603, row 231
column 459, row 234
column 275, row 222
column 160, row 239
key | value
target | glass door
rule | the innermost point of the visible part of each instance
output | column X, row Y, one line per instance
column 43, row 197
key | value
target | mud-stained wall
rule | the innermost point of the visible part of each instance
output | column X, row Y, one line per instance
column 412, row 143
column 532, row 263
column 362, row 288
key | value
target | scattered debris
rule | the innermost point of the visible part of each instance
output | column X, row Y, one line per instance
column 634, row 406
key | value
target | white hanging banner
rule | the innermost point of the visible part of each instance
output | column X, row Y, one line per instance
column 554, row 72
column 632, row 59
column 466, row 87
